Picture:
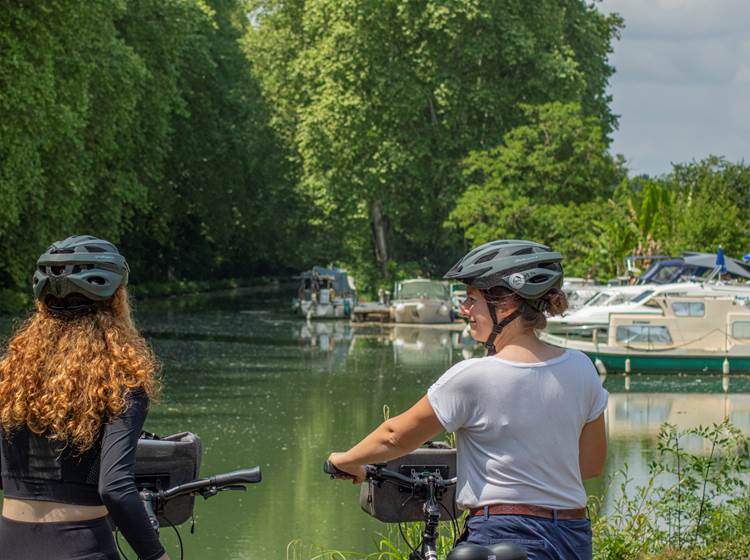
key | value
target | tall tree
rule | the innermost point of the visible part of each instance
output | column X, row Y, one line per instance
column 217, row 195
column 544, row 177
column 711, row 206
column 397, row 93
column 69, row 88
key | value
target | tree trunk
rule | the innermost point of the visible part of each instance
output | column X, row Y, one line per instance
column 379, row 226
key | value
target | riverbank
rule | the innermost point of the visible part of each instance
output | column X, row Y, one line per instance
column 13, row 302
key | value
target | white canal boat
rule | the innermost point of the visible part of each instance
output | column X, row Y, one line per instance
column 682, row 329
column 422, row 301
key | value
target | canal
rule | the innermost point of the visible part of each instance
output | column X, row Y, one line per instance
column 260, row 386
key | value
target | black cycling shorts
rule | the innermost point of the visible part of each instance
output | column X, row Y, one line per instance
column 81, row 540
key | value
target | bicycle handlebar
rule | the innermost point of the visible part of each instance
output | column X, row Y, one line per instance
column 213, row 483
column 241, row 476
column 380, row 473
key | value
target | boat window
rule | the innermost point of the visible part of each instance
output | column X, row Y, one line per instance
column 619, row 299
column 643, row 295
column 689, row 308
column 741, row 329
column 596, row 299
column 643, row 334
column 428, row 289
column 666, row 274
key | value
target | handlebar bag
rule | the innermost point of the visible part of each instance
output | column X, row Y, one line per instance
column 391, row 504
column 163, row 462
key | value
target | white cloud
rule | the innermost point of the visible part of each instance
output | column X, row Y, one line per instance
column 682, row 82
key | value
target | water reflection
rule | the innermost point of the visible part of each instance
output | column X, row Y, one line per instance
column 639, row 414
column 434, row 347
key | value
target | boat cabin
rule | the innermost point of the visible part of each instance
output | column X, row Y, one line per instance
column 704, row 323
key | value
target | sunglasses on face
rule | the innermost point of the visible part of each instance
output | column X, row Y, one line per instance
column 467, row 303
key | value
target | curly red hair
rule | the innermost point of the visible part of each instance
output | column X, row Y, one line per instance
column 64, row 377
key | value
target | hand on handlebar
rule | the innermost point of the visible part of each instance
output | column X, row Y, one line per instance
column 355, row 473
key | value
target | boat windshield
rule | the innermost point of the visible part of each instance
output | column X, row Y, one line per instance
column 618, row 299
column 598, row 298
column 429, row 289
column 643, row 295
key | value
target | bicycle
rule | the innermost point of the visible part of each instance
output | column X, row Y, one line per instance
column 429, row 487
column 154, row 501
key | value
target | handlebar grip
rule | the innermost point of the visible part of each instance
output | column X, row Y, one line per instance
column 242, row 476
column 334, row 471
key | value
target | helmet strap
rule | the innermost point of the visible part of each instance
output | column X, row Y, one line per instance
column 73, row 306
column 497, row 329
column 72, row 311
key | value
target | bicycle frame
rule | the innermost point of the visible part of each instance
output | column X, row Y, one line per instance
column 431, row 526
column 432, row 483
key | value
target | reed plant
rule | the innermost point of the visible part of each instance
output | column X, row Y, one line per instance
column 694, row 500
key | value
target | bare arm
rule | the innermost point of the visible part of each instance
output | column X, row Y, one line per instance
column 592, row 448
column 393, row 438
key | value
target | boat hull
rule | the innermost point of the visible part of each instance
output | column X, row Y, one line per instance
column 335, row 310
column 665, row 361
column 671, row 364
column 422, row 312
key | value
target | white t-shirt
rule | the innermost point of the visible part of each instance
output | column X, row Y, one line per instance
column 517, row 427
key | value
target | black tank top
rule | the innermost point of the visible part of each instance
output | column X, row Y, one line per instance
column 35, row 467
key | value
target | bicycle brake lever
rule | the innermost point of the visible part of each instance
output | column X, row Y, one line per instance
column 239, row 487
column 211, row 491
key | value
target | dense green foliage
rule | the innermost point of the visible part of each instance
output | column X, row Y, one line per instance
column 233, row 138
column 553, row 180
column 694, row 503
column 549, row 180
column 139, row 121
column 379, row 101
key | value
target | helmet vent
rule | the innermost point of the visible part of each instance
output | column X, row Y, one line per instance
column 98, row 280
column 524, row 251
column 538, row 279
column 95, row 249
column 486, row 258
column 57, row 270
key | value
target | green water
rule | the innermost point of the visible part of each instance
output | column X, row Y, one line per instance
column 262, row 387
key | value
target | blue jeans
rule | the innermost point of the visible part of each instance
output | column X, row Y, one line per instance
column 543, row 539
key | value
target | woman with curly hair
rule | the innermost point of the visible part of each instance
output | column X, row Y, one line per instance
column 75, row 384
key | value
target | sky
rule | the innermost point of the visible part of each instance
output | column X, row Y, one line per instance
column 682, row 81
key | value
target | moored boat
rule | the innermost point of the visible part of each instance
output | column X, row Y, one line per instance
column 684, row 333
column 420, row 300
column 325, row 293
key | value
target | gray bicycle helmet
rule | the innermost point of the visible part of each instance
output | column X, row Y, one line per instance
column 83, row 265
column 526, row 268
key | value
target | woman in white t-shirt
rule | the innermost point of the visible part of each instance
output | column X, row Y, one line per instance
column 528, row 417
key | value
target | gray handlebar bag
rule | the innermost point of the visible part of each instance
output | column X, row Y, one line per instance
column 390, row 504
column 165, row 462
